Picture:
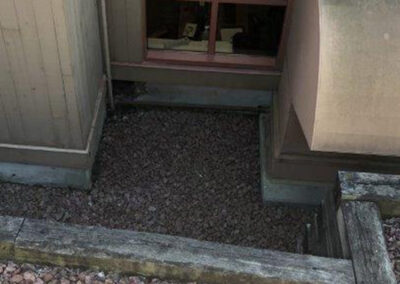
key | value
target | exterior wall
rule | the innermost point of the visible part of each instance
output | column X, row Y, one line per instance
column 342, row 67
column 50, row 77
column 126, row 20
column 358, row 99
column 302, row 63
column 126, row 27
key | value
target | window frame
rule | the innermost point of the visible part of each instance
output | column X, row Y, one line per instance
column 213, row 59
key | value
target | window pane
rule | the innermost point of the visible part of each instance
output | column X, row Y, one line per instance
column 249, row 29
column 178, row 25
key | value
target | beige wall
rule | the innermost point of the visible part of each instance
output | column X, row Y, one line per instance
column 299, row 81
column 50, row 71
column 344, row 84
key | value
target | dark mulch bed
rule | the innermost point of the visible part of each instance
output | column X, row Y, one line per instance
column 392, row 234
column 180, row 172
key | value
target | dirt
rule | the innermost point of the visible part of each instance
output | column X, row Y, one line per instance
column 392, row 234
column 37, row 274
column 191, row 173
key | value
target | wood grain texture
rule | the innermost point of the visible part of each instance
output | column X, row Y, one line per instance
column 50, row 72
column 329, row 228
column 171, row 257
column 17, row 66
column 367, row 243
column 85, row 47
column 35, row 70
column 383, row 189
column 65, row 54
column 9, row 228
column 135, row 20
column 118, row 29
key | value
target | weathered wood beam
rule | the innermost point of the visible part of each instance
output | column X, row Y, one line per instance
column 329, row 229
column 163, row 256
column 367, row 243
column 9, row 228
column 382, row 189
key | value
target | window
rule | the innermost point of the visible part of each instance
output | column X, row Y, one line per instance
column 228, row 33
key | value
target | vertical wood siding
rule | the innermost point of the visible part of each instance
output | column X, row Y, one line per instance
column 50, row 68
column 126, row 28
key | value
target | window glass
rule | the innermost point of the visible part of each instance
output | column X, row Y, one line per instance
column 178, row 25
column 249, row 29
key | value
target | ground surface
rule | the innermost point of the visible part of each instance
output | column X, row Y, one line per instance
column 392, row 234
column 181, row 172
column 34, row 274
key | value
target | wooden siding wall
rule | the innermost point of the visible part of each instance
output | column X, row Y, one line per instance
column 126, row 20
column 50, row 68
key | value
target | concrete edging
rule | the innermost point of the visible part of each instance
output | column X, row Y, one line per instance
column 162, row 256
column 284, row 191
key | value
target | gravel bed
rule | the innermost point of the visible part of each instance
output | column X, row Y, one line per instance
column 34, row 274
column 392, row 234
column 192, row 173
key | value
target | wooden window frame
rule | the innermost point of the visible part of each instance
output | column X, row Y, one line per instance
column 213, row 59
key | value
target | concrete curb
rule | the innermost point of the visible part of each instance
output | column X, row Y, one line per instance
column 285, row 191
column 162, row 256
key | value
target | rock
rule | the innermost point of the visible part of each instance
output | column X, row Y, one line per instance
column 29, row 276
column 27, row 267
column 100, row 276
column 10, row 268
column 82, row 277
column 65, row 281
column 135, row 280
column 47, row 277
column 88, row 279
column 38, row 281
column 17, row 278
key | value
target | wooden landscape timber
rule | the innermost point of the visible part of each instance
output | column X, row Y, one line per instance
column 162, row 256
column 367, row 243
column 364, row 198
column 379, row 188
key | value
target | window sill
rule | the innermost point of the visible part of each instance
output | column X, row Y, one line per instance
column 236, row 61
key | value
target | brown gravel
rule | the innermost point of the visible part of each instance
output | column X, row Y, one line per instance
column 34, row 274
column 190, row 173
column 392, row 234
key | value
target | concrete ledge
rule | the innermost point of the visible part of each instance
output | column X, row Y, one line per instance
column 163, row 256
column 382, row 189
column 285, row 191
column 33, row 174
column 198, row 96
column 201, row 76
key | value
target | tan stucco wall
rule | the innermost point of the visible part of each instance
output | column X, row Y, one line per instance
column 356, row 105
